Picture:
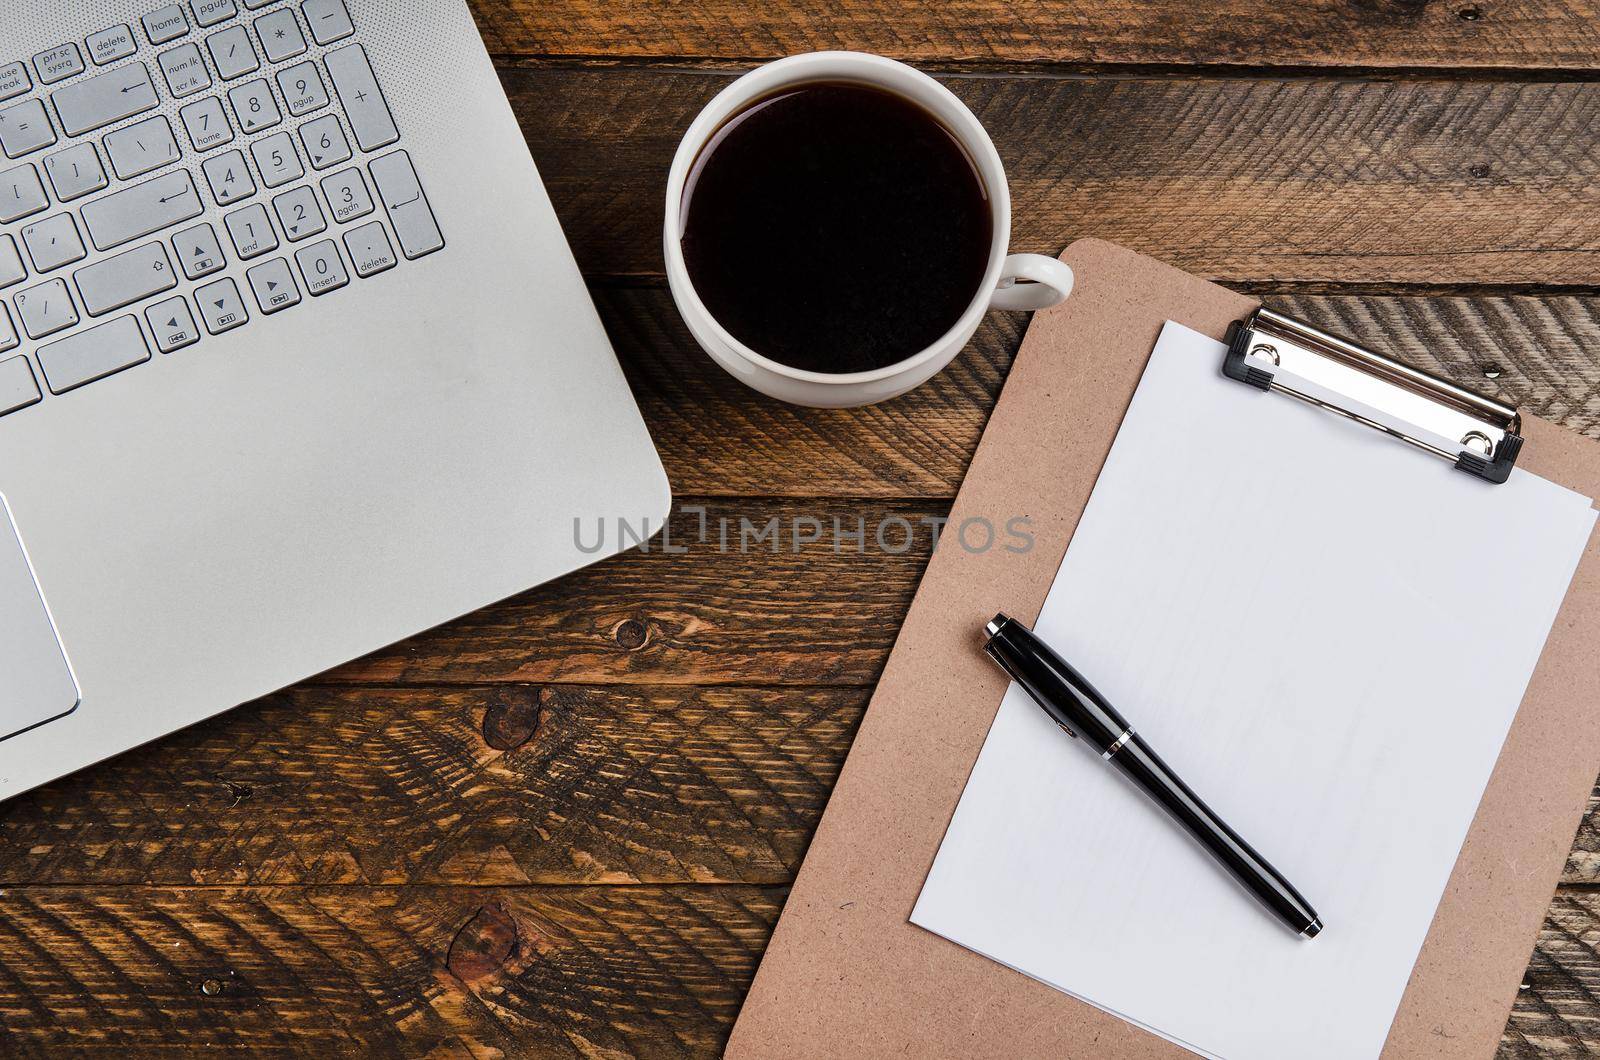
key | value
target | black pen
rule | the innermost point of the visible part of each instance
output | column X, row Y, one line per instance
column 1073, row 704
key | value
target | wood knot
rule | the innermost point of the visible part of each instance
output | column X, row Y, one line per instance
column 631, row 635
column 511, row 719
column 483, row 945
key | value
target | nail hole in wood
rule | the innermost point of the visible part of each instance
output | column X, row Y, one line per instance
column 1478, row 170
column 512, row 718
column 1492, row 371
column 631, row 635
column 236, row 792
column 1470, row 14
column 211, row 987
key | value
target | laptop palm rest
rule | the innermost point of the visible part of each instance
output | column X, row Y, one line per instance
column 36, row 685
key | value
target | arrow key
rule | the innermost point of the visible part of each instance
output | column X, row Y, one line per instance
column 274, row 286
column 326, row 144
column 199, row 252
column 299, row 214
column 221, row 306
column 172, row 324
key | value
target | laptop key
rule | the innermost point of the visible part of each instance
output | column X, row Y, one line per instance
column 329, row 20
column 96, row 102
column 53, row 242
column 167, row 24
column 255, row 107
column 141, row 148
column 112, row 44
column 21, row 194
column 370, row 250
column 210, row 12
column 14, row 80
column 402, row 195
column 124, row 216
column 229, row 178
column 325, row 142
column 207, row 123
column 199, row 252
column 18, row 388
column 280, row 35
column 347, row 195
column 322, row 267
column 172, row 324
column 94, row 354
column 25, row 128
column 185, row 70
column 46, row 309
column 251, row 232
column 299, row 214
column 12, row 271
column 58, row 63
column 363, row 100
column 221, row 307
column 76, row 171
column 125, row 279
column 274, row 286
column 302, row 89
column 232, row 53
column 277, row 160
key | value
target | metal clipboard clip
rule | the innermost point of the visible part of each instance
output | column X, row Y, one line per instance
column 1272, row 352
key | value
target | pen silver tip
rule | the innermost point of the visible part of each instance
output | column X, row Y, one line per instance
column 993, row 627
column 1313, row 929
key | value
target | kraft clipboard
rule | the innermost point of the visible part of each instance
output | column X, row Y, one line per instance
column 847, row 974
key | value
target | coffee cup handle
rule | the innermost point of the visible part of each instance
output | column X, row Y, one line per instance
column 1049, row 283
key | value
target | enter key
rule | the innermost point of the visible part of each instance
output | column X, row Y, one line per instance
column 403, row 197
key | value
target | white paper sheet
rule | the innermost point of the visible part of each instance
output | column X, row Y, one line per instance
column 1327, row 635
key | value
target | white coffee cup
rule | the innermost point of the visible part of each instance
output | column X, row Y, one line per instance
column 1043, row 282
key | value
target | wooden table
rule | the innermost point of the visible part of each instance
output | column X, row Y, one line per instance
column 565, row 825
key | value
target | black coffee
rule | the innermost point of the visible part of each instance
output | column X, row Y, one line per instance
column 836, row 227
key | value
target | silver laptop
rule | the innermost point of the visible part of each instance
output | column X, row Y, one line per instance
column 294, row 359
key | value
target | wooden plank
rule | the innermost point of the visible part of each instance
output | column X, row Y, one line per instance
column 1249, row 180
column 453, row 972
column 478, row 972
column 510, row 785
column 719, row 438
column 513, row 785
column 740, row 603
column 1542, row 34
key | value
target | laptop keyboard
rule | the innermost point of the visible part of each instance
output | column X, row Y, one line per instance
column 282, row 124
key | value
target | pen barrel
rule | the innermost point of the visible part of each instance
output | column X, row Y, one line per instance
column 1146, row 769
column 1050, row 681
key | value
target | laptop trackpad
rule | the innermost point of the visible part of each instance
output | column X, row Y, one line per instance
column 36, row 685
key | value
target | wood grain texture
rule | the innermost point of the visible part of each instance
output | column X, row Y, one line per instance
column 1246, row 180
column 421, row 972
column 719, row 438
column 739, row 604
column 514, row 785
column 1544, row 34
column 1557, row 1011
column 478, row 972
